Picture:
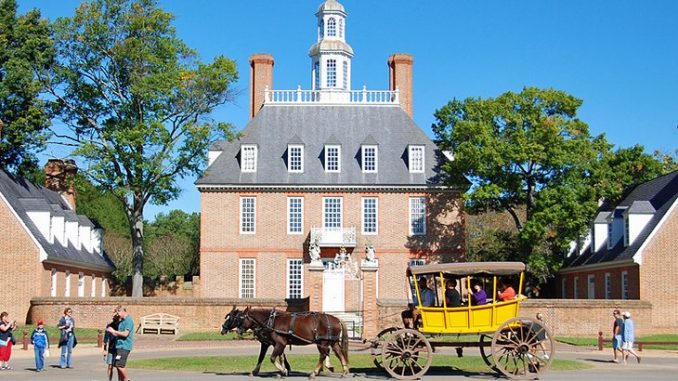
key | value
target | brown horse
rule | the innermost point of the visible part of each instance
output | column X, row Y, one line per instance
column 300, row 328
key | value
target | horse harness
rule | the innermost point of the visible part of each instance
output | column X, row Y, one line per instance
column 262, row 329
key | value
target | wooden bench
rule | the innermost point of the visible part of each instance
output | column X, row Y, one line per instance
column 160, row 323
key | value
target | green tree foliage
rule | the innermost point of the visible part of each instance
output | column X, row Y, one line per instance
column 529, row 155
column 173, row 244
column 135, row 100
column 25, row 46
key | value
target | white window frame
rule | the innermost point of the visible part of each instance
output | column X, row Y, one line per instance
column 627, row 230
column 344, row 74
column 363, row 210
column 81, row 285
column 93, row 294
column 331, row 27
column 289, row 215
column 331, row 73
column 291, row 158
column 363, row 155
column 245, row 214
column 575, row 288
column 242, row 291
column 341, row 28
column 332, row 147
column 316, row 80
column 248, row 158
column 416, row 163
column 53, row 289
column 67, row 289
column 295, row 291
column 625, row 285
column 608, row 286
column 412, row 202
column 104, row 284
column 327, row 223
column 591, row 286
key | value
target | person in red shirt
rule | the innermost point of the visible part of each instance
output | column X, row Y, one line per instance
column 507, row 292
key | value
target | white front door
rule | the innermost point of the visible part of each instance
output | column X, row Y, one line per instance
column 333, row 290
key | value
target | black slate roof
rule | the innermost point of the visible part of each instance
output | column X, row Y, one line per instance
column 659, row 193
column 24, row 196
column 314, row 126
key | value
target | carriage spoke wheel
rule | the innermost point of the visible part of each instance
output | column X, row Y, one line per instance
column 407, row 354
column 485, row 345
column 522, row 348
column 375, row 351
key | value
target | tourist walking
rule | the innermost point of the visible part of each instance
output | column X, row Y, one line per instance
column 67, row 340
column 109, row 344
column 628, row 335
column 7, row 340
column 617, row 335
column 40, row 341
column 124, row 343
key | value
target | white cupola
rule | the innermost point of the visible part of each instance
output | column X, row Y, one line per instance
column 331, row 55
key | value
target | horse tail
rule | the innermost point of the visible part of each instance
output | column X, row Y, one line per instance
column 344, row 342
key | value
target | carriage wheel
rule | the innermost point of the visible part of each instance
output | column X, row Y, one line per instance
column 375, row 351
column 407, row 355
column 522, row 348
column 486, row 349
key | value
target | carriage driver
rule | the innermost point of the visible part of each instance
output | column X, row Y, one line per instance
column 411, row 315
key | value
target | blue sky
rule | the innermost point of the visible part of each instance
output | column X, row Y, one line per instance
column 620, row 57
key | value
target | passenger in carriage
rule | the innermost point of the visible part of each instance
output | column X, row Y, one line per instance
column 478, row 295
column 507, row 292
column 412, row 316
column 452, row 297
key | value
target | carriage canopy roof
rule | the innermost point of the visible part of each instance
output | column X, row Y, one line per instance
column 469, row 268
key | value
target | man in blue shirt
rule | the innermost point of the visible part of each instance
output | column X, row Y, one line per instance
column 628, row 336
column 123, row 346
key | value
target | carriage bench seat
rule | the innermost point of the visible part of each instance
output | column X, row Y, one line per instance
column 160, row 323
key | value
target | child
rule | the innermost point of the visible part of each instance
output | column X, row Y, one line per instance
column 40, row 341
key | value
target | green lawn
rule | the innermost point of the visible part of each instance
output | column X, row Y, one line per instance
column 593, row 342
column 214, row 336
column 359, row 363
column 84, row 335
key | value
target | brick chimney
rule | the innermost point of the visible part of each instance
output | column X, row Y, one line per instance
column 60, row 177
column 400, row 77
column 261, row 76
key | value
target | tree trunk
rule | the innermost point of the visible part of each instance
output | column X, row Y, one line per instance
column 137, row 225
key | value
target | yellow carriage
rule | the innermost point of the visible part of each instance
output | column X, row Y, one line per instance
column 519, row 348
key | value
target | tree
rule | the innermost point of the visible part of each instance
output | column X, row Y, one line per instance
column 25, row 46
column 529, row 155
column 135, row 101
column 173, row 244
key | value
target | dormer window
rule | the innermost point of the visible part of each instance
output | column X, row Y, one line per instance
column 331, row 27
column 416, row 159
column 332, row 158
column 369, row 155
column 627, row 230
column 295, row 158
column 609, row 235
column 248, row 158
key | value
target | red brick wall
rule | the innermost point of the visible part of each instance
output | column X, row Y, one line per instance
column 658, row 272
column 599, row 276
column 222, row 244
column 20, row 280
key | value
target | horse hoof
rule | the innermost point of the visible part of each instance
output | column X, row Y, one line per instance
column 252, row 374
column 311, row 376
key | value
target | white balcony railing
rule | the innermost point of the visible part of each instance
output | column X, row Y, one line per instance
column 352, row 97
column 334, row 237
